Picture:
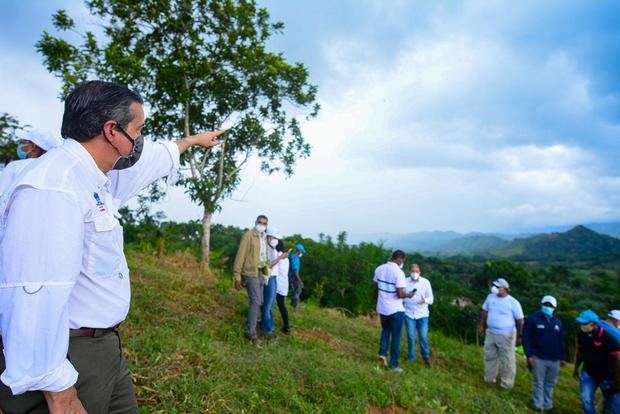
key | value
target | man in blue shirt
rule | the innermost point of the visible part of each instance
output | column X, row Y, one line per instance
column 293, row 274
column 543, row 342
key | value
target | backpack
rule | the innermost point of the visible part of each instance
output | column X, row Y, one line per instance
column 611, row 330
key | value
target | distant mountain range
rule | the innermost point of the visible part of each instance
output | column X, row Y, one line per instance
column 582, row 241
column 578, row 243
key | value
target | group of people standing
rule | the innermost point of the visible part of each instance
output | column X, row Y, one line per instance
column 597, row 357
column 404, row 300
column 266, row 268
column 64, row 279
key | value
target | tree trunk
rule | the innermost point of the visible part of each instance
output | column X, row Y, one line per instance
column 206, row 236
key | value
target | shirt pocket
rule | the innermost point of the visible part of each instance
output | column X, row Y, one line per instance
column 104, row 251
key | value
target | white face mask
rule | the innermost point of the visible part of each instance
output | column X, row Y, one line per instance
column 273, row 243
column 401, row 265
column 300, row 254
column 260, row 228
column 415, row 275
column 494, row 290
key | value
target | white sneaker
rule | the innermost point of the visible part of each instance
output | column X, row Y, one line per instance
column 383, row 360
column 396, row 369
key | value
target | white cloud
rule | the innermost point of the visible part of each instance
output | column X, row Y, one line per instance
column 29, row 92
column 458, row 127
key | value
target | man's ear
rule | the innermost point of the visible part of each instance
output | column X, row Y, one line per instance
column 109, row 129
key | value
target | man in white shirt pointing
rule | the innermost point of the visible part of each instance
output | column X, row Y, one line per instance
column 64, row 281
column 417, row 313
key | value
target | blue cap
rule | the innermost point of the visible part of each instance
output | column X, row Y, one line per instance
column 301, row 248
column 587, row 316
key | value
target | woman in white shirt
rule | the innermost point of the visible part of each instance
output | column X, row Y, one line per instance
column 282, row 286
column 274, row 239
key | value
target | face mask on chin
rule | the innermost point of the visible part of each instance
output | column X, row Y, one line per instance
column 20, row 152
column 131, row 159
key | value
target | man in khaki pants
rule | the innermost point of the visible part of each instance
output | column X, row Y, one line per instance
column 251, row 268
column 504, row 319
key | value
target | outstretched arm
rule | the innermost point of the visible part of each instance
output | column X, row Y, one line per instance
column 206, row 139
column 157, row 160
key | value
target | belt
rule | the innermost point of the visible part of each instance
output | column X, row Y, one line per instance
column 92, row 332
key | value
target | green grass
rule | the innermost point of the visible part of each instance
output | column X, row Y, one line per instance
column 184, row 342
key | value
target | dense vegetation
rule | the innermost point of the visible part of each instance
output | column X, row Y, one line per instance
column 339, row 275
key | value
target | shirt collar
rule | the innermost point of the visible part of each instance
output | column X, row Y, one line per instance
column 93, row 173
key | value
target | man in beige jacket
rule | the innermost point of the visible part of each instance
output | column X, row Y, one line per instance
column 250, row 269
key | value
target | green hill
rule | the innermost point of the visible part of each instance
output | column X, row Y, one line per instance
column 184, row 341
column 578, row 243
column 474, row 244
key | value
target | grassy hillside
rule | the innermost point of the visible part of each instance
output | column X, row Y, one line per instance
column 184, row 341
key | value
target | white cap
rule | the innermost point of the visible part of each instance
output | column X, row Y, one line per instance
column 273, row 232
column 501, row 283
column 40, row 138
column 551, row 300
column 614, row 314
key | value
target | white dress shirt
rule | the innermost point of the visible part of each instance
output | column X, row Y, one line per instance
column 413, row 308
column 62, row 264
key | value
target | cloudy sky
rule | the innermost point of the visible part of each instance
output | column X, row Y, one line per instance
column 466, row 116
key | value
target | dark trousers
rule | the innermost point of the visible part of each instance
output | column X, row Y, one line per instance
column 391, row 328
column 295, row 290
column 104, row 381
column 281, row 300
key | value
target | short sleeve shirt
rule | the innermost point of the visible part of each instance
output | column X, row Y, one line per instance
column 389, row 277
column 295, row 262
column 502, row 313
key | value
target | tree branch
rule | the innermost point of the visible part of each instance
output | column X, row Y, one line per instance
column 220, row 173
column 240, row 166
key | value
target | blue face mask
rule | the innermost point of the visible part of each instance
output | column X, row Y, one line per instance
column 547, row 310
column 20, row 152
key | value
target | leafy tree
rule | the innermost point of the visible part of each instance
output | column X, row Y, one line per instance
column 9, row 125
column 199, row 64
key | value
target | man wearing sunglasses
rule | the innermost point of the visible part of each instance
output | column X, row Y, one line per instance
column 64, row 280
